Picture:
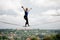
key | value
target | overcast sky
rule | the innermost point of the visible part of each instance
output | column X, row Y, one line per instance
column 45, row 14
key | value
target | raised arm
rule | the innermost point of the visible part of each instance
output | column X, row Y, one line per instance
column 23, row 8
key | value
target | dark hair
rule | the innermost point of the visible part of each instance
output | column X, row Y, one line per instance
column 26, row 9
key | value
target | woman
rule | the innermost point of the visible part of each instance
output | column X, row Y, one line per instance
column 26, row 10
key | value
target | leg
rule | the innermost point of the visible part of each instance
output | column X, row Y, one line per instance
column 26, row 18
column 27, row 21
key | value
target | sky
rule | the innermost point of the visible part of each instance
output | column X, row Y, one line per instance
column 45, row 14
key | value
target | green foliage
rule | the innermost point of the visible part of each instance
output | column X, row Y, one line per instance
column 52, row 37
column 23, row 34
column 3, row 37
column 58, row 37
column 35, row 38
column 47, row 38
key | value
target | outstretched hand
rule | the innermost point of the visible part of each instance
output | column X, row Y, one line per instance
column 22, row 7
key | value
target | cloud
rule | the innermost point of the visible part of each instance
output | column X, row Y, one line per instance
column 51, row 13
column 36, row 20
column 8, row 12
column 12, row 19
column 32, row 19
column 46, row 3
column 13, row 5
column 9, row 4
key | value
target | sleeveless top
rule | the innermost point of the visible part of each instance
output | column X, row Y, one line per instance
column 26, row 13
